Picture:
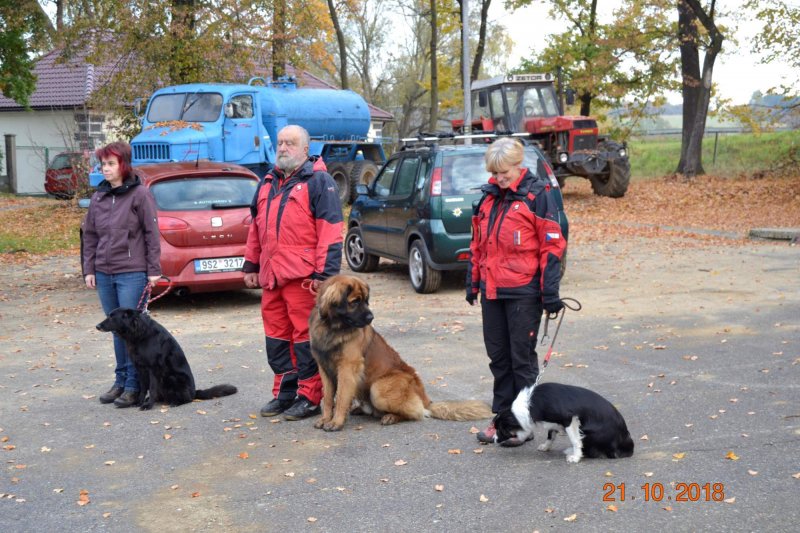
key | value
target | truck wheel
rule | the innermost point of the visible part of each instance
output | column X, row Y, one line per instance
column 363, row 172
column 614, row 182
column 424, row 279
column 357, row 258
column 338, row 172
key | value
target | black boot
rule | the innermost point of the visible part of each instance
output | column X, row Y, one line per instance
column 127, row 399
column 112, row 394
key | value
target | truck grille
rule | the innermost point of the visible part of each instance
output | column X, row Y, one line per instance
column 584, row 142
column 151, row 152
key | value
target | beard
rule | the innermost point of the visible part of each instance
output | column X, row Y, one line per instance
column 287, row 163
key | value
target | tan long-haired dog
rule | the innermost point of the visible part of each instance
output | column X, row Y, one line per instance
column 360, row 370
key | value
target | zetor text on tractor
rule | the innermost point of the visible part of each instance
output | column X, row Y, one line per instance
column 528, row 106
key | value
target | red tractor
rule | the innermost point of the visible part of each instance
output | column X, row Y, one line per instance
column 527, row 105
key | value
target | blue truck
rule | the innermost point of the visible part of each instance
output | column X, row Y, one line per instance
column 239, row 123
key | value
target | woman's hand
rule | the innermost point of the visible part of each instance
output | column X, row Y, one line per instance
column 90, row 281
column 153, row 280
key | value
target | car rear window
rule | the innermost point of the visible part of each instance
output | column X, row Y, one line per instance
column 464, row 173
column 194, row 194
column 60, row 162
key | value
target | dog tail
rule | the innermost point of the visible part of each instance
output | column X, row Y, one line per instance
column 459, row 410
column 217, row 391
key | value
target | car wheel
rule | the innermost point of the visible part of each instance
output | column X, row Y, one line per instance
column 354, row 251
column 424, row 279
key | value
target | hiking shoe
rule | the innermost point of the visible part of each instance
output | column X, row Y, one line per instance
column 276, row 407
column 301, row 408
column 112, row 394
column 487, row 435
column 127, row 399
column 513, row 442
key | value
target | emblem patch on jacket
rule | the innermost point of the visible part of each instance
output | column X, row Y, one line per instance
column 553, row 236
column 517, row 237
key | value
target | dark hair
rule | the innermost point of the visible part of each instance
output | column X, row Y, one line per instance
column 120, row 150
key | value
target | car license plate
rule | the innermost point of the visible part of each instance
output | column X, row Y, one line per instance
column 218, row 264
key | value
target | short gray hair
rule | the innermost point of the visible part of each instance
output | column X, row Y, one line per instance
column 503, row 154
column 305, row 138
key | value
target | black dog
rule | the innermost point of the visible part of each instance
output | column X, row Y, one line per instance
column 594, row 426
column 163, row 369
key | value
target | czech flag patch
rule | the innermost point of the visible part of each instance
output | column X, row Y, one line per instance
column 553, row 236
column 517, row 238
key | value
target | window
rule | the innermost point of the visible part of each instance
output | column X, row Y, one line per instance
column 383, row 185
column 195, row 107
column 242, row 106
column 463, row 174
column 407, row 177
column 194, row 194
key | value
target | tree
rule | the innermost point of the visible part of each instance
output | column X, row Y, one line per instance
column 340, row 40
column 434, row 112
column 24, row 32
column 696, row 83
column 629, row 58
column 779, row 38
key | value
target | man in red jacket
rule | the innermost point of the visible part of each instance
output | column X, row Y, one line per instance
column 295, row 242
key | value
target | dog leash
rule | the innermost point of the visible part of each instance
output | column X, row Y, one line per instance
column 146, row 295
column 552, row 316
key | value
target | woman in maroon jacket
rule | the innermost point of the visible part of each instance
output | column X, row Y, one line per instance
column 515, row 265
column 121, row 252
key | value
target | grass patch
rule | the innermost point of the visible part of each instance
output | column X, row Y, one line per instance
column 737, row 154
column 39, row 225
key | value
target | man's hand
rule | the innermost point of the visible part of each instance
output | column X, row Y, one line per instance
column 251, row 280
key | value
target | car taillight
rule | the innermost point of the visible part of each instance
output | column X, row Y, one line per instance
column 463, row 256
column 171, row 224
column 436, row 182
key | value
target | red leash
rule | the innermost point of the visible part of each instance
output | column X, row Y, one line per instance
column 146, row 295
column 552, row 316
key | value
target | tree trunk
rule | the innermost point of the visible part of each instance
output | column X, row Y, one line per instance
column 481, row 48
column 342, row 46
column 696, row 85
column 182, row 33
column 587, row 96
column 279, row 40
column 434, row 116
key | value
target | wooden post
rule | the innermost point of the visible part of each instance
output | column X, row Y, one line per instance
column 11, row 161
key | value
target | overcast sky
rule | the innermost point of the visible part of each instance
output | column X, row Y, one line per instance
column 737, row 73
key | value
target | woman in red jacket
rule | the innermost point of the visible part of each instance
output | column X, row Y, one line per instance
column 121, row 252
column 515, row 265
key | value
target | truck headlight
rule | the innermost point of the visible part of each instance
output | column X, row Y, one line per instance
column 623, row 152
column 563, row 157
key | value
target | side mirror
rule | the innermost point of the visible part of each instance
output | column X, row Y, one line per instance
column 229, row 110
column 570, row 96
column 362, row 189
column 138, row 108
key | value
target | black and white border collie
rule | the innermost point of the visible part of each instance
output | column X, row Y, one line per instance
column 594, row 426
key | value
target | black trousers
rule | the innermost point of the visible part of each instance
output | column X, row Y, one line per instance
column 510, row 330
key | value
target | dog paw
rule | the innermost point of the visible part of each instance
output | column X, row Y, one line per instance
column 389, row 418
column 573, row 458
column 545, row 447
column 319, row 424
column 330, row 426
column 146, row 407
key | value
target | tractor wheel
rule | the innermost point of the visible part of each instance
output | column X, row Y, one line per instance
column 338, row 172
column 424, row 279
column 614, row 182
column 363, row 172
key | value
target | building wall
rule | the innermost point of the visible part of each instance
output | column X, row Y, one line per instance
column 40, row 135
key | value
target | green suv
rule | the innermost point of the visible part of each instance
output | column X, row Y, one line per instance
column 418, row 210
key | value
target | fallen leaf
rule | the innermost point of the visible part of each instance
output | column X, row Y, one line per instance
column 454, row 452
column 88, row 396
column 109, row 463
column 400, row 462
column 732, row 456
column 254, row 417
column 167, row 436
column 796, row 476
column 438, row 488
column 730, row 500
column 753, row 472
column 106, row 515
column 195, row 494
column 571, row 518
column 608, row 474
column 59, row 491
column 175, row 487
column 667, row 508
column 483, row 499
column 311, row 519
column 478, row 450
column 644, row 437
column 474, row 430
column 289, row 474
column 679, row 456
column 45, row 449
column 549, row 510
column 384, row 480
column 200, row 412
column 83, row 497
column 244, row 455
column 9, row 447
column 612, row 508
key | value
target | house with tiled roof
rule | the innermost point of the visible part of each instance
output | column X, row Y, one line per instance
column 60, row 119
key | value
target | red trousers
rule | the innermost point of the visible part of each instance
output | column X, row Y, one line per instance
column 285, row 311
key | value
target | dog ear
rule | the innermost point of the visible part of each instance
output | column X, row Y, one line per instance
column 133, row 319
column 329, row 299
